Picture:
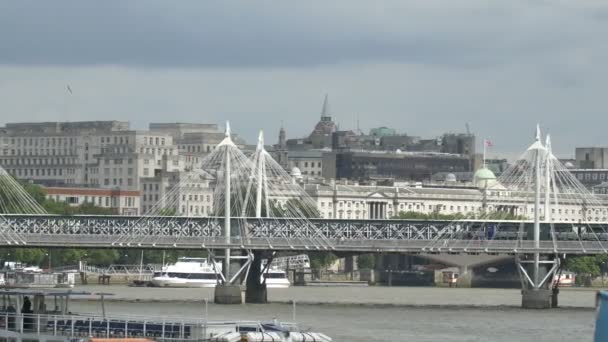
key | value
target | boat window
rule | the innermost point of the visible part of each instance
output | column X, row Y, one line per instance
column 202, row 276
column 274, row 275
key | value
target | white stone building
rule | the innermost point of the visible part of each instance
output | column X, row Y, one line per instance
column 101, row 154
column 182, row 193
column 351, row 201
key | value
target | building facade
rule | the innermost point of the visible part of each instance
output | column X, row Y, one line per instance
column 591, row 157
column 404, row 166
column 99, row 154
column 351, row 201
column 179, row 193
column 121, row 202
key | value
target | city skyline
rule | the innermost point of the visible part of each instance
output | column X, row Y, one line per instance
column 421, row 68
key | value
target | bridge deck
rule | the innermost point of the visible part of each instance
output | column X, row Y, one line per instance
column 411, row 236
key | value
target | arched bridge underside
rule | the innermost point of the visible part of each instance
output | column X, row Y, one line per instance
column 404, row 236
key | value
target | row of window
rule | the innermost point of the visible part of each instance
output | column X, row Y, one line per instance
column 37, row 161
column 41, row 141
column 591, row 176
column 116, row 181
column 117, row 140
column 41, row 172
column 156, row 151
column 305, row 164
column 197, row 148
column 102, row 201
column 185, row 210
column 154, row 141
column 39, row 152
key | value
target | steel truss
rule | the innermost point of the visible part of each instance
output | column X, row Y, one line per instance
column 282, row 234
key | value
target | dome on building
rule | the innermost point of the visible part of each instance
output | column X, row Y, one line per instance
column 484, row 178
column 296, row 173
column 569, row 165
column 450, row 177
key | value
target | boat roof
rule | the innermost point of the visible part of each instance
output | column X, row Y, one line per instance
column 52, row 293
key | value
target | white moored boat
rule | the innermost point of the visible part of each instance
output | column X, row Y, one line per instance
column 275, row 278
column 188, row 272
column 200, row 272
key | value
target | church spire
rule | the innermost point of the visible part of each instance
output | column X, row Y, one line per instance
column 325, row 113
column 282, row 138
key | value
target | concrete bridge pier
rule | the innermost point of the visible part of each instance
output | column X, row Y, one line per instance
column 465, row 276
column 538, row 293
column 536, row 298
column 256, row 290
column 229, row 293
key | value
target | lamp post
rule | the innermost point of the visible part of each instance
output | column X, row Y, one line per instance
column 49, row 256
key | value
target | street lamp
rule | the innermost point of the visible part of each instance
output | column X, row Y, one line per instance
column 49, row 258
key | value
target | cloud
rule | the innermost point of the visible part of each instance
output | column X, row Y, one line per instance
column 286, row 34
column 423, row 67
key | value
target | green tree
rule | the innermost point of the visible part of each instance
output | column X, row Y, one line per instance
column 586, row 267
column 321, row 260
column 366, row 261
column 64, row 256
column 102, row 257
column 37, row 192
column 30, row 256
column 167, row 212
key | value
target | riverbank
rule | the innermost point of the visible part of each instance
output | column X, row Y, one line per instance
column 361, row 296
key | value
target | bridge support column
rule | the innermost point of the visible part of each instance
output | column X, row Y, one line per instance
column 465, row 277
column 228, row 294
column 536, row 298
column 538, row 294
column 256, row 290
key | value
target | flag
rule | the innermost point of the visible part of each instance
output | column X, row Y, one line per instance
column 488, row 143
column 69, row 89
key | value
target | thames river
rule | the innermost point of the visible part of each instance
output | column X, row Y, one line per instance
column 377, row 313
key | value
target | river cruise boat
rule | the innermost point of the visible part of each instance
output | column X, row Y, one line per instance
column 36, row 316
column 200, row 272
column 276, row 278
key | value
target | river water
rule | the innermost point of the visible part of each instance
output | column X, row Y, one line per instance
column 378, row 313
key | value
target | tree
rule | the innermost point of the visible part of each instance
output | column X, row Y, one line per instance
column 64, row 256
column 35, row 191
column 320, row 260
column 366, row 261
column 167, row 212
column 586, row 267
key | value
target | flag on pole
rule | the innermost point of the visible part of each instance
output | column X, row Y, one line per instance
column 69, row 89
column 488, row 143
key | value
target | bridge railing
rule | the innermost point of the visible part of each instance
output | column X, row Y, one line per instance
column 288, row 234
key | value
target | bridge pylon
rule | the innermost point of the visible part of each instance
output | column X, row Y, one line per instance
column 536, row 270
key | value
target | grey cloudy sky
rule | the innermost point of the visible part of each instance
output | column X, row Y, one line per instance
column 423, row 67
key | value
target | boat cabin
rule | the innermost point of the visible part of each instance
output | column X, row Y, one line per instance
column 37, row 316
column 29, row 314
